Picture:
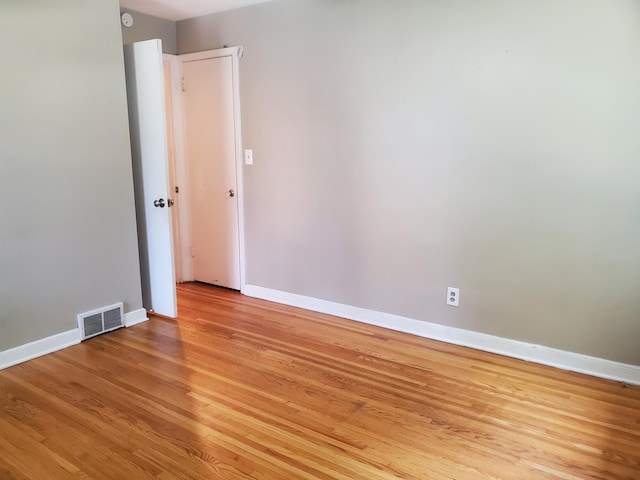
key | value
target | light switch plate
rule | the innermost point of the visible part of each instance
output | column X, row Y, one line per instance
column 248, row 157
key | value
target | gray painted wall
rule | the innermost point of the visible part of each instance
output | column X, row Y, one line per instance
column 67, row 223
column 147, row 27
column 403, row 147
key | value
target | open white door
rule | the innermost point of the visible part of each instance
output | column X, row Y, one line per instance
column 145, row 94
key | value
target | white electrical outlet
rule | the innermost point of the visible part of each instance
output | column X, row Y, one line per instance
column 453, row 296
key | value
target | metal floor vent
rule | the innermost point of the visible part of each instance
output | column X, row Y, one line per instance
column 101, row 320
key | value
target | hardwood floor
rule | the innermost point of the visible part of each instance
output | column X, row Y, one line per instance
column 240, row 388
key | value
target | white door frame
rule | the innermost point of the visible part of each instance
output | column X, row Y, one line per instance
column 183, row 253
column 181, row 155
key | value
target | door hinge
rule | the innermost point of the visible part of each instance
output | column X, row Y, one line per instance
column 184, row 88
column 193, row 252
column 177, row 189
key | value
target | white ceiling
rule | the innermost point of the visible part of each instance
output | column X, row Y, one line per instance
column 181, row 9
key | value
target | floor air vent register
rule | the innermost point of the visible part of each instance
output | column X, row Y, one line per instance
column 101, row 320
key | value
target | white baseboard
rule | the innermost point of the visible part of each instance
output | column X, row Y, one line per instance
column 51, row 344
column 135, row 317
column 29, row 351
column 575, row 362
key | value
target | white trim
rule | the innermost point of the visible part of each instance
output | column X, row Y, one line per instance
column 575, row 362
column 38, row 348
column 235, row 53
column 51, row 344
column 181, row 174
column 207, row 54
column 239, row 160
column 135, row 317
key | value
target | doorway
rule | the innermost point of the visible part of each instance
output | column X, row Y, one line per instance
column 166, row 188
column 207, row 166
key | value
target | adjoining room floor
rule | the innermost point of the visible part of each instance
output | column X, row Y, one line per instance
column 239, row 388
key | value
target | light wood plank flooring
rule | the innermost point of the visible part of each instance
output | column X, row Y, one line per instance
column 239, row 388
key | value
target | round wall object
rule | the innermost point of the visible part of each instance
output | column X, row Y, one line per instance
column 127, row 19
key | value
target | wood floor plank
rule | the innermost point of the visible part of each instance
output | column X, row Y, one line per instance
column 240, row 388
